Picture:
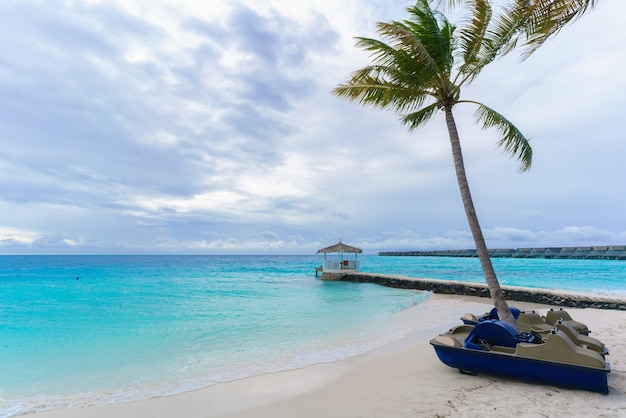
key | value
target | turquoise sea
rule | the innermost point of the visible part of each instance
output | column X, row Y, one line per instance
column 95, row 330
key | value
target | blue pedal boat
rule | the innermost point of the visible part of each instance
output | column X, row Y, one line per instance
column 494, row 347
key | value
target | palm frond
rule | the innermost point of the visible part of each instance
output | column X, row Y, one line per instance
column 548, row 17
column 405, row 62
column 446, row 4
column 380, row 52
column 426, row 37
column 408, row 50
column 507, row 28
column 416, row 119
column 532, row 22
column 529, row 22
column 371, row 86
column 513, row 142
column 410, row 64
column 435, row 33
column 477, row 47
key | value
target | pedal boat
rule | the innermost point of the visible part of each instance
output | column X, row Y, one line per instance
column 494, row 347
column 532, row 321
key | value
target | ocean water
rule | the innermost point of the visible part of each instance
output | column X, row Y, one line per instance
column 95, row 330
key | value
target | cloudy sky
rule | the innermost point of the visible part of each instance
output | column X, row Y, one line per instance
column 207, row 126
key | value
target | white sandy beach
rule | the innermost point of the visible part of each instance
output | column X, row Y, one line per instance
column 403, row 379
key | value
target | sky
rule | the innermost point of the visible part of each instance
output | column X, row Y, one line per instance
column 209, row 127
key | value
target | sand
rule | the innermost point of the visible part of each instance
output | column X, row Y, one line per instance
column 403, row 379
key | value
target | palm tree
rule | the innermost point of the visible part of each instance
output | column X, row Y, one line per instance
column 532, row 22
column 420, row 72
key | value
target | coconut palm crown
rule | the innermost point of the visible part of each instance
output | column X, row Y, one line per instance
column 418, row 71
column 529, row 23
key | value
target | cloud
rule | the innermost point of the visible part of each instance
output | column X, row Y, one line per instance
column 209, row 127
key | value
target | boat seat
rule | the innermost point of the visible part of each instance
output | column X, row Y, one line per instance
column 532, row 321
column 461, row 329
column 580, row 339
column 470, row 319
column 455, row 336
column 553, row 316
column 448, row 341
column 560, row 348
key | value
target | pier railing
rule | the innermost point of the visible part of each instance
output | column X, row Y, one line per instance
column 341, row 265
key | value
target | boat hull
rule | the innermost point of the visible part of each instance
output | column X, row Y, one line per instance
column 528, row 369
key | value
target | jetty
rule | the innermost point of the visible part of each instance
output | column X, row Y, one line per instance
column 606, row 252
column 511, row 293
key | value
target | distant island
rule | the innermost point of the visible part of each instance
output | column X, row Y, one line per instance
column 607, row 252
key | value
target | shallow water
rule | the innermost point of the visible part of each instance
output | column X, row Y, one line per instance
column 85, row 330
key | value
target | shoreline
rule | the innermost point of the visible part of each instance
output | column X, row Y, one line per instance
column 403, row 378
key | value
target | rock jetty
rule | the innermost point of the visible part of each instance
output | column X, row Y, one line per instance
column 511, row 293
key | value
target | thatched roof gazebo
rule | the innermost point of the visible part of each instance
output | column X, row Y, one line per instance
column 340, row 247
column 338, row 264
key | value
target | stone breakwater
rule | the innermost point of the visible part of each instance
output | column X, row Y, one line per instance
column 511, row 293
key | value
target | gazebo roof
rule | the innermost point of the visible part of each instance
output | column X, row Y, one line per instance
column 340, row 247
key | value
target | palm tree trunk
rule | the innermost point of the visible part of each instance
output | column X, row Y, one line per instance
column 497, row 296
